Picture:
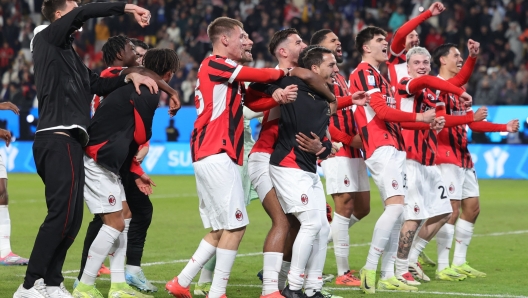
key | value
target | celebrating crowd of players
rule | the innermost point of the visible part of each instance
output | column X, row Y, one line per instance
column 409, row 131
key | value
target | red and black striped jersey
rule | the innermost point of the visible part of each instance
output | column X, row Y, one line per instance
column 452, row 141
column 219, row 126
column 109, row 72
column 397, row 66
column 377, row 121
column 343, row 120
column 269, row 132
column 421, row 145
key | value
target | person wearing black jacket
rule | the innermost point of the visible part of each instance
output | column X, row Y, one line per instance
column 65, row 87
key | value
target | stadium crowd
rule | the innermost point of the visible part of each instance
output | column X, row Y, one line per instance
column 500, row 26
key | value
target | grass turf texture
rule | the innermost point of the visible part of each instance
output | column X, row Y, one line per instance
column 177, row 229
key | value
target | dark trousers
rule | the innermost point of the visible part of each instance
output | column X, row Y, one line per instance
column 59, row 163
column 141, row 208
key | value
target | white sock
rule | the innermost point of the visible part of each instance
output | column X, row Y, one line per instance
column 382, row 232
column 5, row 231
column 224, row 262
column 444, row 240
column 302, row 247
column 389, row 255
column 202, row 254
column 283, row 274
column 117, row 255
column 205, row 276
column 353, row 220
column 341, row 238
column 99, row 249
column 270, row 274
column 463, row 235
column 419, row 245
column 133, row 269
column 314, row 268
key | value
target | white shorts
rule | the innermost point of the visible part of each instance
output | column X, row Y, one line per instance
column 387, row 167
column 344, row 174
column 219, row 186
column 298, row 190
column 3, row 171
column 258, row 169
column 103, row 190
column 426, row 193
column 461, row 183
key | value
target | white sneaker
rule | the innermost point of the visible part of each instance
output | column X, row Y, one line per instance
column 59, row 292
column 37, row 291
column 407, row 279
column 417, row 272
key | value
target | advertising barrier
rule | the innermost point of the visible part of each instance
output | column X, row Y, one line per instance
column 171, row 158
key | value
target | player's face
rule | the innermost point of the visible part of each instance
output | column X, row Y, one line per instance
column 453, row 61
column 332, row 43
column 237, row 44
column 412, row 40
column 377, row 48
column 293, row 47
column 129, row 55
column 419, row 65
column 246, row 54
column 140, row 53
column 328, row 68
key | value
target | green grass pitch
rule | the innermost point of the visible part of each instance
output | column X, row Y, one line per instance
column 498, row 248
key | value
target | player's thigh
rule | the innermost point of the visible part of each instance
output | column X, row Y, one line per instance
column 470, row 188
column 103, row 191
column 220, row 193
column 437, row 193
column 415, row 207
column 258, row 170
column 388, row 170
column 453, row 177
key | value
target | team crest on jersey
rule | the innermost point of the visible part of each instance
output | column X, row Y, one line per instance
column 451, row 188
column 111, row 200
column 304, row 199
column 239, row 216
column 371, row 80
column 394, row 184
column 346, row 181
column 416, row 209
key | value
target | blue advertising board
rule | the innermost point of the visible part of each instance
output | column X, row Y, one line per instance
column 171, row 158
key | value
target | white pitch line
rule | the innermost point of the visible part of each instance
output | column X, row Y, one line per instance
column 351, row 245
column 357, row 289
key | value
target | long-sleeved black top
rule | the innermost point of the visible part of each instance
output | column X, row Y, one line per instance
column 65, row 86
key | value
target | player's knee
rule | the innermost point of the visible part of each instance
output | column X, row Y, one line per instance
column 3, row 196
column 360, row 213
column 118, row 225
column 455, row 214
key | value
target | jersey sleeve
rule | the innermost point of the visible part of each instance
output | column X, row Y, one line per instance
column 340, row 136
column 258, row 101
column 431, row 82
column 485, row 126
column 145, row 106
column 226, row 70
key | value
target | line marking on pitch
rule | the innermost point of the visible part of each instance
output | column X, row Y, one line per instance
column 351, row 245
column 357, row 289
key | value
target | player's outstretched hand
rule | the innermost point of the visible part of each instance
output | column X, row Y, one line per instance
column 9, row 106
column 436, row 8
column 174, row 104
column 141, row 15
column 139, row 80
column 308, row 144
column 465, row 99
column 473, row 47
column 480, row 114
column 513, row 125
column 6, row 136
column 360, row 98
column 144, row 183
column 428, row 116
column 438, row 123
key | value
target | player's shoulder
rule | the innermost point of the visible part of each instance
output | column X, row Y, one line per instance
column 216, row 60
column 405, row 80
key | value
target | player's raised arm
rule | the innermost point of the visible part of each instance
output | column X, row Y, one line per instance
column 461, row 78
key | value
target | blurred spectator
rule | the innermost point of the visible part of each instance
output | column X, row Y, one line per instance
column 187, row 87
column 509, row 94
column 6, row 55
column 434, row 39
column 487, row 93
column 397, row 19
column 174, row 33
column 102, row 33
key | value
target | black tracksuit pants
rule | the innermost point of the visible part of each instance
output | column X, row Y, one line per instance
column 59, row 163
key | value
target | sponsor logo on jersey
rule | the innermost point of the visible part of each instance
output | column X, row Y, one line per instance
column 304, row 199
column 112, row 200
column 239, row 216
column 394, row 184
